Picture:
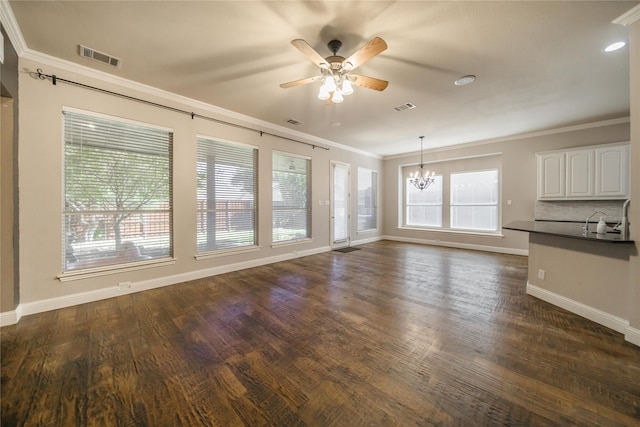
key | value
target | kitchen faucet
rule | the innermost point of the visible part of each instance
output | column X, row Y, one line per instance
column 585, row 229
column 624, row 225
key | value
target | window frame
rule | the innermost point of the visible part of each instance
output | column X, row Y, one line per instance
column 373, row 184
column 445, row 167
column 104, row 264
column 224, row 250
column 405, row 213
column 307, row 202
column 496, row 204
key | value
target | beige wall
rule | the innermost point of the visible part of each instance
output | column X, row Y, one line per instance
column 41, row 196
column 634, row 209
column 518, row 180
column 594, row 274
column 7, row 293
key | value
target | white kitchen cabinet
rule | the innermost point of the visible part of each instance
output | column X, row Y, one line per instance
column 580, row 174
column 612, row 171
column 551, row 175
column 585, row 173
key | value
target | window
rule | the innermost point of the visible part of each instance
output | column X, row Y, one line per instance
column 117, row 191
column 291, row 192
column 474, row 200
column 367, row 199
column 227, row 188
column 424, row 207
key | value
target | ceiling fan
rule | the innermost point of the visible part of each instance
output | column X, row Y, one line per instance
column 336, row 71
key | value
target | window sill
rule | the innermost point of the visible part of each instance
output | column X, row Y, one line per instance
column 451, row 231
column 226, row 252
column 291, row 242
column 114, row 269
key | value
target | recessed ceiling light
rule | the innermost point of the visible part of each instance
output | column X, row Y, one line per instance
column 615, row 46
column 465, row 80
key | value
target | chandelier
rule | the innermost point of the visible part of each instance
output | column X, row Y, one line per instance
column 421, row 179
column 334, row 87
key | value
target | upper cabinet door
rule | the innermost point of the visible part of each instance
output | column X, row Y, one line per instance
column 612, row 171
column 551, row 175
column 580, row 173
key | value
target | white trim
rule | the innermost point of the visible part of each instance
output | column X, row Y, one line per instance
column 484, row 248
column 12, row 28
column 114, row 291
column 365, row 241
column 462, row 231
column 95, row 74
column 11, row 317
column 603, row 318
column 226, row 252
column 632, row 335
column 114, row 269
column 629, row 17
column 291, row 242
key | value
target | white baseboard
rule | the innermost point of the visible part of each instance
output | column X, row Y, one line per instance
column 603, row 318
column 485, row 248
column 100, row 294
column 11, row 317
column 632, row 335
column 367, row 240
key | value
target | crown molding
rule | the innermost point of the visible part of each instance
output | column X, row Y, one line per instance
column 629, row 17
column 64, row 65
column 11, row 27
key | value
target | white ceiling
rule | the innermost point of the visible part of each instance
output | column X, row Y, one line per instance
column 539, row 65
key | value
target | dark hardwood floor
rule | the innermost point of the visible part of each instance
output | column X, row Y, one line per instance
column 393, row 334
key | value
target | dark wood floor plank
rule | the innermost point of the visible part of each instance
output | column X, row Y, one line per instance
column 394, row 334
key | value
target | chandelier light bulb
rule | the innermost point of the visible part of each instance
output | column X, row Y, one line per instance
column 337, row 97
column 347, row 89
column 323, row 94
column 329, row 84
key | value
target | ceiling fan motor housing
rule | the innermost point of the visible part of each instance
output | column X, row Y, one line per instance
column 334, row 46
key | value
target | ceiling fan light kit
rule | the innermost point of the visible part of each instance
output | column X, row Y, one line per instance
column 337, row 79
column 421, row 179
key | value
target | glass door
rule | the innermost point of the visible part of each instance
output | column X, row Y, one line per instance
column 340, row 181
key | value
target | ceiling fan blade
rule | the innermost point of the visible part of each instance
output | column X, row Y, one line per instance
column 365, row 53
column 310, row 53
column 369, row 82
column 300, row 82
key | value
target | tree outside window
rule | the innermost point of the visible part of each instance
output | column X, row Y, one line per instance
column 117, row 191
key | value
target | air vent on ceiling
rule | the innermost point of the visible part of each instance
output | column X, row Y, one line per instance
column 407, row 106
column 294, row 122
column 99, row 56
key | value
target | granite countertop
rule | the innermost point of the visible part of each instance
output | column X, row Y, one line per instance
column 571, row 230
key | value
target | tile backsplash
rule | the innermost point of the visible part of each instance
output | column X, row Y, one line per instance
column 578, row 210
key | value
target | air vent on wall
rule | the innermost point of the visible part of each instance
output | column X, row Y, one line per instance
column 294, row 122
column 99, row 56
column 407, row 106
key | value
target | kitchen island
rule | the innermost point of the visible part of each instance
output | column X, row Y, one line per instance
column 587, row 274
column 573, row 230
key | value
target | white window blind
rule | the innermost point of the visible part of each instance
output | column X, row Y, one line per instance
column 291, row 192
column 227, row 176
column 117, row 192
column 423, row 208
column 474, row 200
column 367, row 199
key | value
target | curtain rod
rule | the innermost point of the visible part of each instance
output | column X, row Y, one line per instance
column 55, row 80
